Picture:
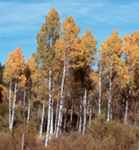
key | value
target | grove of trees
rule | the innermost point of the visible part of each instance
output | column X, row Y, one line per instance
column 71, row 93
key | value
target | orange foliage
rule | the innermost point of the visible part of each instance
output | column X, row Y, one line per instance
column 71, row 30
column 14, row 65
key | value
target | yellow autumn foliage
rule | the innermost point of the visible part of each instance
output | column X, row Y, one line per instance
column 14, row 65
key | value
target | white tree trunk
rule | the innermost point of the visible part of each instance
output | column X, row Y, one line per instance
column 10, row 102
column 80, row 118
column 59, row 124
column 126, row 112
column 71, row 116
column 80, row 124
column 56, row 116
column 109, row 111
column 49, row 109
column 28, row 111
column 23, row 141
column 48, row 127
column 52, row 120
column 90, row 117
column 42, row 120
column 24, row 121
column 13, row 108
column 84, row 111
column 99, row 99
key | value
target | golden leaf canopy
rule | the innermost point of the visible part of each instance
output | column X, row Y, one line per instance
column 14, row 65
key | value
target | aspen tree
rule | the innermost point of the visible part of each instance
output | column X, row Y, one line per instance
column 111, row 50
column 46, row 39
column 131, row 50
column 13, row 70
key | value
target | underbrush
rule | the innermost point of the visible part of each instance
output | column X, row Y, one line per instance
column 100, row 136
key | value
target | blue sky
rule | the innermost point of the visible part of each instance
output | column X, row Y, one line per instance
column 20, row 20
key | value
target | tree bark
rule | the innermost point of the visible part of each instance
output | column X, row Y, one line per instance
column 80, row 118
column 52, row 119
column 59, row 124
column 42, row 120
column 65, row 120
column 56, row 116
column 100, row 90
column 84, row 111
column 28, row 110
column 71, row 116
column 90, row 116
column 49, row 109
column 127, row 106
column 23, row 141
column 109, row 111
column 24, row 122
column 10, row 102
column 13, row 108
column 126, row 112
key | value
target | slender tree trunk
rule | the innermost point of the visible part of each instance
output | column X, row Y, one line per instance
column 10, row 102
column 80, row 118
column 109, row 111
column 23, row 141
column 60, row 116
column 52, row 115
column 80, row 124
column 52, row 119
column 71, row 116
column 49, row 109
column 84, row 111
column 126, row 112
column 90, row 116
column 100, row 90
column 65, row 120
column 42, row 120
column 127, row 106
column 28, row 110
column 13, row 108
column 56, row 116
column 48, row 126
column 24, row 122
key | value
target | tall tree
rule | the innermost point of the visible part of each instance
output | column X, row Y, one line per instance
column 111, row 52
column 131, row 51
column 14, row 68
column 70, row 33
column 47, row 37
